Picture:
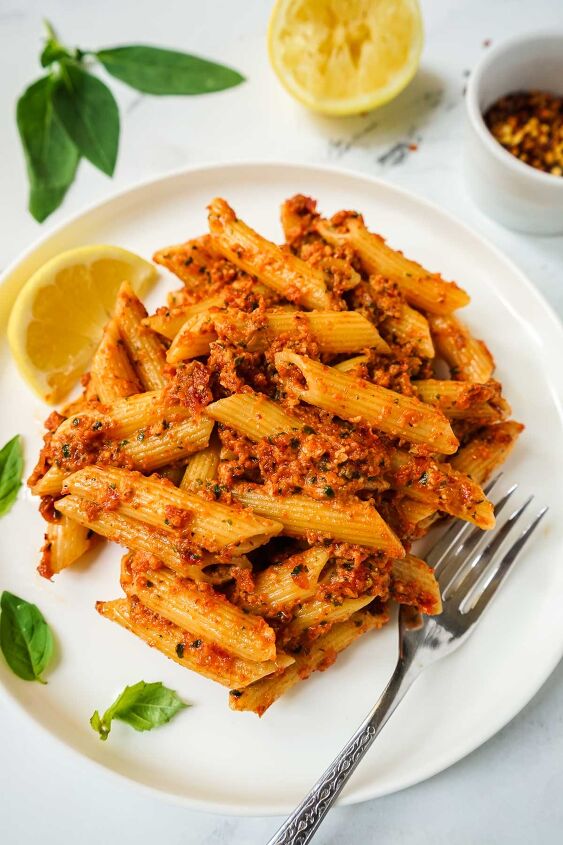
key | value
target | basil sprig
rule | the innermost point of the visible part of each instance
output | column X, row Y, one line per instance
column 142, row 706
column 11, row 470
column 26, row 640
column 70, row 113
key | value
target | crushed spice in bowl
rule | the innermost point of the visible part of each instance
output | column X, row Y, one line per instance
column 529, row 124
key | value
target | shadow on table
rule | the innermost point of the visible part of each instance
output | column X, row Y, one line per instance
column 400, row 122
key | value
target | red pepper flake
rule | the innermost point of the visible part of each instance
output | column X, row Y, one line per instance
column 529, row 124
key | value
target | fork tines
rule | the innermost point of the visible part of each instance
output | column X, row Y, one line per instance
column 471, row 564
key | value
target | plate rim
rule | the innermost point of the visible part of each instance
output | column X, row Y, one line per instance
column 463, row 749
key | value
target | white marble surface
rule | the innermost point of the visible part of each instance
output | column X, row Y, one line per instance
column 510, row 790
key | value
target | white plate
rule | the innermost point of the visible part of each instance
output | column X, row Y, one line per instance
column 210, row 757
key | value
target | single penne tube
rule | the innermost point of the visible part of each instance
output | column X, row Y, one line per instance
column 468, row 358
column 321, row 654
column 419, row 287
column 253, row 415
column 350, row 364
column 144, row 347
column 136, row 535
column 411, row 327
column 351, row 522
column 179, row 440
column 441, row 486
column 201, row 467
column 463, row 399
column 169, row 321
column 194, row 338
column 282, row 585
column 413, row 511
column 200, row 609
column 147, row 453
column 318, row 611
column 354, row 398
column 65, row 542
column 112, row 375
column 413, row 582
column 190, row 261
column 282, row 271
column 487, row 450
column 187, row 649
column 212, row 525
column 336, row 332
column 51, row 483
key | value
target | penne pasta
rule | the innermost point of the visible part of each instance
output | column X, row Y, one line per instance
column 350, row 364
column 468, row 358
column 419, row 287
column 323, row 612
column 351, row 522
column 212, row 525
column 112, row 375
column 185, row 648
column 134, row 535
column 169, row 321
column 253, row 415
column 413, row 582
column 144, row 347
column 279, row 270
column 353, row 398
column 282, row 585
column 201, row 468
column 336, row 332
column 65, row 542
column 487, row 450
column 411, row 328
column 257, row 697
column 441, row 486
column 464, row 400
column 199, row 609
column 190, row 261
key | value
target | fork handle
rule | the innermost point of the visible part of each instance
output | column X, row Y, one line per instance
column 300, row 827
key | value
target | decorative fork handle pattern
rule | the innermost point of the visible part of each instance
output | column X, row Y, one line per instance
column 301, row 826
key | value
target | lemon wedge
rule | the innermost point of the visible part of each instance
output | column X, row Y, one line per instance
column 345, row 56
column 58, row 317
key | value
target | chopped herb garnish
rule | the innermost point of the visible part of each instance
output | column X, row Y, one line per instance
column 180, row 650
column 195, row 644
column 297, row 570
column 66, row 450
column 236, row 693
column 123, row 443
column 423, row 478
column 294, row 443
column 308, row 430
column 97, row 425
column 329, row 492
column 76, row 421
column 141, row 435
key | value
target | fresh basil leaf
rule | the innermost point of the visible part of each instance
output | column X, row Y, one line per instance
column 88, row 111
column 51, row 157
column 11, row 471
column 142, row 706
column 25, row 638
column 53, row 52
column 157, row 71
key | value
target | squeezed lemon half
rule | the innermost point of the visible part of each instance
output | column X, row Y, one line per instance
column 58, row 317
column 343, row 57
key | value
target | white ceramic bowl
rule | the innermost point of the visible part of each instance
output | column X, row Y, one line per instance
column 506, row 189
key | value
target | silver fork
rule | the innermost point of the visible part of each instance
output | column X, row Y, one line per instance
column 470, row 566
